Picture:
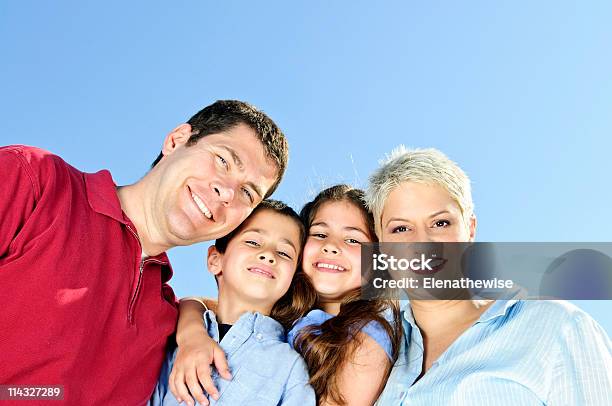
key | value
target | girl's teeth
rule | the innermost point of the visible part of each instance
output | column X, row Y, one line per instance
column 329, row 266
column 201, row 206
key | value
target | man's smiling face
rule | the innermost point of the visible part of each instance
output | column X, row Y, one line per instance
column 206, row 190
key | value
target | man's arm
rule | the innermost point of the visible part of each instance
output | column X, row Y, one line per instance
column 195, row 355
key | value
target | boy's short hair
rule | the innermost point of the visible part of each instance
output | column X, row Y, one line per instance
column 429, row 166
column 301, row 296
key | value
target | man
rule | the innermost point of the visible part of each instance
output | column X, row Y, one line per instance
column 82, row 263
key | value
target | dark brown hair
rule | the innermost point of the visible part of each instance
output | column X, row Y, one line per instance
column 223, row 115
column 301, row 295
column 328, row 347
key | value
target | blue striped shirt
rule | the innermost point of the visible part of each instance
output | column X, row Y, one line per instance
column 519, row 352
column 265, row 370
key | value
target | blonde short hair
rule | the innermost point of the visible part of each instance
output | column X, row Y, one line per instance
column 429, row 166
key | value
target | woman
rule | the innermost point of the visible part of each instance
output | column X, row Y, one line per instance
column 467, row 352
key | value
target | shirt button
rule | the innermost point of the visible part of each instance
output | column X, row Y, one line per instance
column 259, row 336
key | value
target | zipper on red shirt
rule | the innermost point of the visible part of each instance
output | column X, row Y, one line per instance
column 132, row 306
column 141, row 268
column 135, row 295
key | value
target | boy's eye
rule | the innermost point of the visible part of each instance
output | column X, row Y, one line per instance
column 399, row 229
column 352, row 241
column 318, row 235
column 252, row 243
column 442, row 223
column 284, row 254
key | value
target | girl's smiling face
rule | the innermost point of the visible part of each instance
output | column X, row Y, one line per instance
column 332, row 254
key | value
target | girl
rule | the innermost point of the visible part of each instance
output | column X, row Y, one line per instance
column 349, row 344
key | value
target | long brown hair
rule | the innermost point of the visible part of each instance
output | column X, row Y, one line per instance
column 328, row 347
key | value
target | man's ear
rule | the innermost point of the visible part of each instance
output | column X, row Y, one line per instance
column 214, row 261
column 177, row 137
column 472, row 227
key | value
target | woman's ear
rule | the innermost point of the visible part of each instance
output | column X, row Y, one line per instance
column 472, row 226
column 214, row 261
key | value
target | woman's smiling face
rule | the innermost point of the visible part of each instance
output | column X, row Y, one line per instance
column 419, row 212
column 332, row 254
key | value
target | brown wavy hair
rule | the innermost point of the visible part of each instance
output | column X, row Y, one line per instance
column 328, row 347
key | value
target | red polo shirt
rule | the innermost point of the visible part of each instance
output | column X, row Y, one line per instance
column 79, row 306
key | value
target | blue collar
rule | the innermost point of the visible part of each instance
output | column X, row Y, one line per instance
column 248, row 324
column 498, row 309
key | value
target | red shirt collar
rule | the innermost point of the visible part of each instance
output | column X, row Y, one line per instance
column 102, row 195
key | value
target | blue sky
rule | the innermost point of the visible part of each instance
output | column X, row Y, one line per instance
column 517, row 92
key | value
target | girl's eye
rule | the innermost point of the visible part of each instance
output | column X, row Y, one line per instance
column 284, row 254
column 442, row 223
column 352, row 241
column 399, row 229
column 252, row 243
column 318, row 235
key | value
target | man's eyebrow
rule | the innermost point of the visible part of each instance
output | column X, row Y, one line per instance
column 255, row 188
column 240, row 165
column 235, row 157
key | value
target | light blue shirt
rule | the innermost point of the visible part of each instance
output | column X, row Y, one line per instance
column 265, row 370
column 316, row 317
column 520, row 352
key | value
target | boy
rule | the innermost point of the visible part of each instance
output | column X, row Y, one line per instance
column 255, row 267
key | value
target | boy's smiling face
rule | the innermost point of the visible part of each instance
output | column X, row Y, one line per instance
column 259, row 261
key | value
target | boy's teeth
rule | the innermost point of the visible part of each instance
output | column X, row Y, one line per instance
column 261, row 271
column 330, row 266
column 201, row 206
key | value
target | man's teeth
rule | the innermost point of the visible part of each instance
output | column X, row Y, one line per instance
column 201, row 206
column 330, row 266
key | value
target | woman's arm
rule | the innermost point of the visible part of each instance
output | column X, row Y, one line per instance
column 582, row 374
column 362, row 379
column 195, row 355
